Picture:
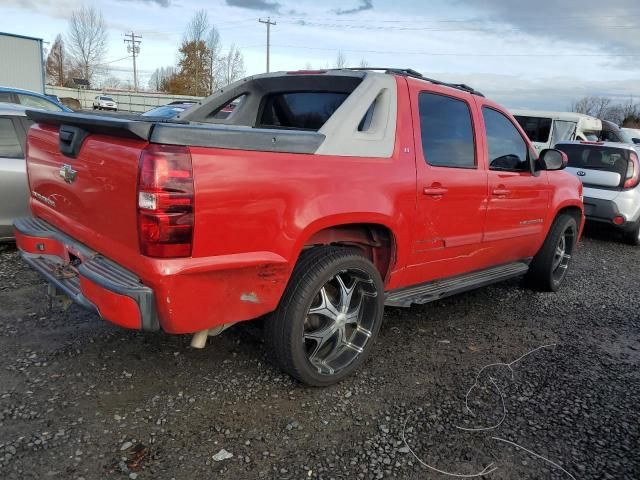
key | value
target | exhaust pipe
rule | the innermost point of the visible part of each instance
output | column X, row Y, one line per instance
column 199, row 339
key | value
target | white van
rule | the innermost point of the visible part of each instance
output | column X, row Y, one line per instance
column 545, row 129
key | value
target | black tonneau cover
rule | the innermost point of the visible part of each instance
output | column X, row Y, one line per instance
column 78, row 125
column 98, row 124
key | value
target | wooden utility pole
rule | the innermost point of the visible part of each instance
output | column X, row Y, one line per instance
column 133, row 47
column 268, row 23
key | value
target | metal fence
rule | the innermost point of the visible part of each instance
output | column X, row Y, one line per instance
column 127, row 101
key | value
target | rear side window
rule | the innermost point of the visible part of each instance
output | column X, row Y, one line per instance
column 300, row 110
column 6, row 97
column 536, row 128
column 228, row 108
column 37, row 102
column 508, row 151
column 594, row 157
column 446, row 131
column 9, row 143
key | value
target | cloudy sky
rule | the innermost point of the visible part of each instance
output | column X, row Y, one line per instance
column 533, row 53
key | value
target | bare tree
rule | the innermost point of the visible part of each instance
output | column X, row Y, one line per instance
column 87, row 40
column 231, row 66
column 214, row 48
column 57, row 63
column 110, row 82
column 594, row 106
column 199, row 29
column 630, row 111
column 364, row 64
column 341, row 60
column 161, row 78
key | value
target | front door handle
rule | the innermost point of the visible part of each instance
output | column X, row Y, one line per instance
column 435, row 191
column 501, row 192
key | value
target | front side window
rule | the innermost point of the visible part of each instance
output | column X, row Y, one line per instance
column 300, row 110
column 446, row 131
column 508, row 151
column 9, row 142
column 37, row 102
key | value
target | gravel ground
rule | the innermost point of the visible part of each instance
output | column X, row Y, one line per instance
column 80, row 398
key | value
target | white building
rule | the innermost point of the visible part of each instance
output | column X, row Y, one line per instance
column 21, row 62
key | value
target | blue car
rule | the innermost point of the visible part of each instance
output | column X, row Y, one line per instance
column 30, row 100
column 170, row 110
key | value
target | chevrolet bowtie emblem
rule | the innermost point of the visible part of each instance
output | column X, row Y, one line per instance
column 68, row 174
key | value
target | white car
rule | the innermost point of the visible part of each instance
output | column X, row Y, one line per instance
column 103, row 102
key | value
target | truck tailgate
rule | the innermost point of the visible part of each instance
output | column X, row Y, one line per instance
column 92, row 196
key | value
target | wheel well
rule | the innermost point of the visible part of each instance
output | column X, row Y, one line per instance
column 573, row 211
column 375, row 241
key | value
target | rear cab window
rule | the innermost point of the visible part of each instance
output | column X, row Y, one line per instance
column 446, row 130
column 299, row 110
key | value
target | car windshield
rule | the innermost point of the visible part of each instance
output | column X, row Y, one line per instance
column 108, row 99
column 166, row 111
column 596, row 157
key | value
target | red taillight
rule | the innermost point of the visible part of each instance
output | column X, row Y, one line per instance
column 165, row 201
column 632, row 178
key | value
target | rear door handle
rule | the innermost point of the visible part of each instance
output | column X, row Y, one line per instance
column 501, row 192
column 435, row 191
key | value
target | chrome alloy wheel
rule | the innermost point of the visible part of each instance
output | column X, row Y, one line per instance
column 340, row 321
column 563, row 252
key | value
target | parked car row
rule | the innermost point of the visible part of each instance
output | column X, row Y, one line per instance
column 311, row 199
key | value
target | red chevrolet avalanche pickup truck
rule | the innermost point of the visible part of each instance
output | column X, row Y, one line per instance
column 322, row 197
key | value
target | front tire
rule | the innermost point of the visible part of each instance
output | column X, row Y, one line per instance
column 328, row 317
column 549, row 267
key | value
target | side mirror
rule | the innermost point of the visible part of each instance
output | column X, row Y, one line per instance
column 636, row 140
column 506, row 162
column 552, row 159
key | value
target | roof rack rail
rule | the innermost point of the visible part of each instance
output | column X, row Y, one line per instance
column 408, row 72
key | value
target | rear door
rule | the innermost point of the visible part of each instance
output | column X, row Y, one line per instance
column 13, row 180
column 518, row 196
column 451, row 185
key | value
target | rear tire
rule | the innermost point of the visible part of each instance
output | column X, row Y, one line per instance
column 549, row 267
column 632, row 237
column 328, row 317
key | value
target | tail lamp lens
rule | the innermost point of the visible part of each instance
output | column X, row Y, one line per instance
column 632, row 178
column 165, row 202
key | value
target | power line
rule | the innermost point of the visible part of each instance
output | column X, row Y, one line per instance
column 133, row 47
column 470, row 28
column 113, row 61
column 268, row 23
column 453, row 54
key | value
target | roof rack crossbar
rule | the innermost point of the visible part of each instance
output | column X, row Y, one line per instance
column 408, row 72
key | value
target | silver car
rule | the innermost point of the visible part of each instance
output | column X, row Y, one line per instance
column 610, row 173
column 14, row 196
